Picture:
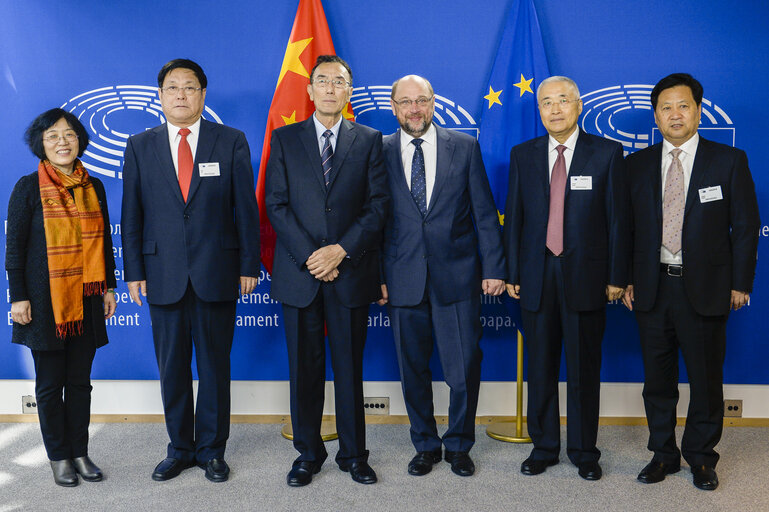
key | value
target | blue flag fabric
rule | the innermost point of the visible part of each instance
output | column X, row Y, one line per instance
column 510, row 114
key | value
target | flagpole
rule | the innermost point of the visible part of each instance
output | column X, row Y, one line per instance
column 508, row 431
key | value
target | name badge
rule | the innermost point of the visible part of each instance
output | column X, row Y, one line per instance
column 709, row 194
column 581, row 182
column 208, row 169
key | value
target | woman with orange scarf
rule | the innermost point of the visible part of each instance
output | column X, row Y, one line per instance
column 61, row 277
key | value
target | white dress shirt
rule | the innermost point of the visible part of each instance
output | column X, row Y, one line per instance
column 430, row 152
column 688, row 150
column 320, row 129
column 568, row 153
column 174, row 138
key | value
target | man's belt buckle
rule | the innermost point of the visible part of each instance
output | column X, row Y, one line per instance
column 675, row 270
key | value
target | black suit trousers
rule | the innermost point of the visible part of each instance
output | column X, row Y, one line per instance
column 63, row 391
column 305, row 338
column 581, row 332
column 673, row 325
column 196, row 432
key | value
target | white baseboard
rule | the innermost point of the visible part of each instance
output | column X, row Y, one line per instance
column 272, row 397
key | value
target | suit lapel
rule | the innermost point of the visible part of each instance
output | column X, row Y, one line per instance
column 699, row 171
column 343, row 143
column 310, row 142
column 445, row 153
column 392, row 151
column 541, row 166
column 165, row 160
column 206, row 142
column 656, row 180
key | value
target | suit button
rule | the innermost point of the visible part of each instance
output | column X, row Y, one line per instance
column 186, row 217
column 323, row 240
column 328, row 209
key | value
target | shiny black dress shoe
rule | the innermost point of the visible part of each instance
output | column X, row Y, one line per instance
column 655, row 471
column 422, row 463
column 461, row 463
column 216, row 470
column 89, row 471
column 170, row 468
column 590, row 471
column 536, row 466
column 361, row 472
column 301, row 474
column 64, row 473
column 705, row 478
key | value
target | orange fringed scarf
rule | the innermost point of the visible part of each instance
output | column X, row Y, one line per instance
column 74, row 235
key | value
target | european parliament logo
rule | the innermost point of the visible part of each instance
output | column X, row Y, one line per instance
column 371, row 105
column 110, row 115
column 624, row 113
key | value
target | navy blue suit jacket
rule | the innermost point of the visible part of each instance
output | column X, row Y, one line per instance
column 595, row 226
column 306, row 216
column 719, row 238
column 212, row 239
column 458, row 242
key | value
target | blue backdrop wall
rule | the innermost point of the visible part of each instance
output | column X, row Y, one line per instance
column 101, row 59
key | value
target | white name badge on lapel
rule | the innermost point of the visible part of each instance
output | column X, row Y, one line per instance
column 709, row 194
column 208, row 169
column 581, row 182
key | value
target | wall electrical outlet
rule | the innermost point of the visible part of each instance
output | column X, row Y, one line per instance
column 733, row 408
column 376, row 405
column 28, row 404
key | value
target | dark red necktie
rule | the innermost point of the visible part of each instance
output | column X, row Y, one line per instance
column 185, row 163
column 557, row 196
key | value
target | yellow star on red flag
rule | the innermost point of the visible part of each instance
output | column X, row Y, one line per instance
column 290, row 119
column 291, row 60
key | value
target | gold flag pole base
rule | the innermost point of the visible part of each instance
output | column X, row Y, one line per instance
column 327, row 431
column 508, row 431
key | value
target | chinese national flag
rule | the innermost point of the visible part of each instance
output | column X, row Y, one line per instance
column 309, row 38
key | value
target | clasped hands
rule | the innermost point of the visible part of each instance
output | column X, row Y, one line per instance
column 323, row 263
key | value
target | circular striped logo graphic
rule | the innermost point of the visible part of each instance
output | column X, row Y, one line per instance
column 624, row 113
column 110, row 115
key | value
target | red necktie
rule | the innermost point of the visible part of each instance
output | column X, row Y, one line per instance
column 557, row 196
column 185, row 163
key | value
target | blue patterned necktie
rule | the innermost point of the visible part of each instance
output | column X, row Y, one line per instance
column 325, row 156
column 418, row 183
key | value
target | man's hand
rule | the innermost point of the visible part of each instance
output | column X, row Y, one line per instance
column 323, row 261
column 514, row 290
column 628, row 298
column 21, row 312
column 247, row 284
column 614, row 292
column 136, row 287
column 330, row 276
column 110, row 305
column 384, row 298
column 739, row 299
column 493, row 287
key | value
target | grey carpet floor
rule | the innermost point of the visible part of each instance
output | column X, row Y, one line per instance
column 260, row 458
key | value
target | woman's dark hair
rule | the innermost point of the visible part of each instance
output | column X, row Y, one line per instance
column 34, row 134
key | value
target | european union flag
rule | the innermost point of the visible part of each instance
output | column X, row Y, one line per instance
column 510, row 113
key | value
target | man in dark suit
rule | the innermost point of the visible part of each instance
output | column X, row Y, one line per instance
column 566, row 240
column 442, row 248
column 695, row 237
column 190, row 237
column 327, row 198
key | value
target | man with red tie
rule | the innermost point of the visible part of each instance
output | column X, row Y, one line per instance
column 566, row 240
column 190, row 227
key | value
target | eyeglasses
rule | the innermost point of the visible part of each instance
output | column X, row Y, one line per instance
column 337, row 83
column 188, row 91
column 562, row 102
column 54, row 138
column 419, row 102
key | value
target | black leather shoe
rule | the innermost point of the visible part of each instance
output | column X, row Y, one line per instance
column 216, row 470
column 705, row 478
column 422, row 463
column 536, row 466
column 590, row 471
column 461, row 463
column 170, row 468
column 361, row 472
column 87, row 469
column 301, row 473
column 655, row 471
column 64, row 473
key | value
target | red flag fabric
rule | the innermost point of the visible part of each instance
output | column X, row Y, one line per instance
column 309, row 38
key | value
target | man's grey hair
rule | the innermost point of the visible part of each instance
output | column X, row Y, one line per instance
column 558, row 78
